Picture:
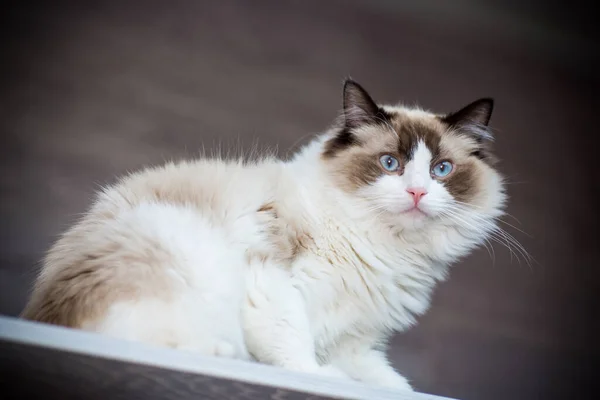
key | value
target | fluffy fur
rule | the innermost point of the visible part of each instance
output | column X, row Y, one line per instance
column 309, row 264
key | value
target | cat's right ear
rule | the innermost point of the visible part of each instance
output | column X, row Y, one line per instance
column 473, row 119
column 359, row 107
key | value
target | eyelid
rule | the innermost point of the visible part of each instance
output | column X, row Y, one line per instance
column 436, row 163
column 391, row 154
column 441, row 160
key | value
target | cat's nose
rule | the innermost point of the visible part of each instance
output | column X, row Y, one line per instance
column 417, row 193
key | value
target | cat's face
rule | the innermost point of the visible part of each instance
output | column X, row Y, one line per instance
column 412, row 167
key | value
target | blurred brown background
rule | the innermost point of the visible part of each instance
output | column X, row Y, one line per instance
column 90, row 90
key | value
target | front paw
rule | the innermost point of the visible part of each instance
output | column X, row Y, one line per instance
column 331, row 371
column 394, row 381
column 322, row 370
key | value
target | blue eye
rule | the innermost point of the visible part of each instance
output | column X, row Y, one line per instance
column 389, row 163
column 442, row 169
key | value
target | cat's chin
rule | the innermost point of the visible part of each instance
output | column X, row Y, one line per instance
column 414, row 212
column 412, row 219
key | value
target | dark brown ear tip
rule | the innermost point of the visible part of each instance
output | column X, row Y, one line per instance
column 354, row 92
column 350, row 83
column 478, row 112
column 485, row 106
column 488, row 102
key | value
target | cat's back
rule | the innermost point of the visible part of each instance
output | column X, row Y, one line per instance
column 209, row 186
column 149, row 236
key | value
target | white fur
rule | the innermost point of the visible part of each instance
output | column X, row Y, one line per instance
column 202, row 312
column 368, row 271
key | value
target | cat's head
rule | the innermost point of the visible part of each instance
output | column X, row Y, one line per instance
column 412, row 167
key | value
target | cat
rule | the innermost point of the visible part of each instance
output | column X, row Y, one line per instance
column 309, row 264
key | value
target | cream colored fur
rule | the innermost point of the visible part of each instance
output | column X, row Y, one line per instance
column 277, row 261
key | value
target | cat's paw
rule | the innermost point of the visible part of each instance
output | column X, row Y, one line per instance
column 331, row 371
column 322, row 370
column 394, row 381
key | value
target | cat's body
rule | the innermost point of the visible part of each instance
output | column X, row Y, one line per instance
column 310, row 264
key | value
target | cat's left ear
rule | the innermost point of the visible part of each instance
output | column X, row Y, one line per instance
column 473, row 118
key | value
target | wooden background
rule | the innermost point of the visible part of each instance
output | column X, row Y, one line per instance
column 90, row 90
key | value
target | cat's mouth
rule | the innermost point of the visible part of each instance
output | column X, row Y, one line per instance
column 414, row 211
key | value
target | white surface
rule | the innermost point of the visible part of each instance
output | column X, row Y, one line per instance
column 70, row 340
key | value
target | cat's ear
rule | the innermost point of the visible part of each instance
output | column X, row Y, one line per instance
column 473, row 118
column 359, row 107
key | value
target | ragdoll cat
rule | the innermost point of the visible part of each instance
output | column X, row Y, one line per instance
column 309, row 264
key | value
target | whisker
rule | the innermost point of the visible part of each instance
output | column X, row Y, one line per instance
column 489, row 247
column 497, row 234
column 514, row 227
column 518, row 245
column 515, row 182
column 472, row 218
column 481, row 208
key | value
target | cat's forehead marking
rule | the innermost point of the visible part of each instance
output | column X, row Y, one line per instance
column 422, row 155
column 417, row 169
column 413, row 129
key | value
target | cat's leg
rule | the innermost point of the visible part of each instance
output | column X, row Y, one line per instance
column 361, row 361
column 187, row 321
column 182, row 284
column 276, row 326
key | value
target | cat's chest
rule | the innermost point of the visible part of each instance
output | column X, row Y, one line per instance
column 354, row 286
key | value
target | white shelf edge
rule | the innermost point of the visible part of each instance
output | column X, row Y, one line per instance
column 96, row 345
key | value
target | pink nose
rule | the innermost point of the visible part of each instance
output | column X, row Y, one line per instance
column 417, row 193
